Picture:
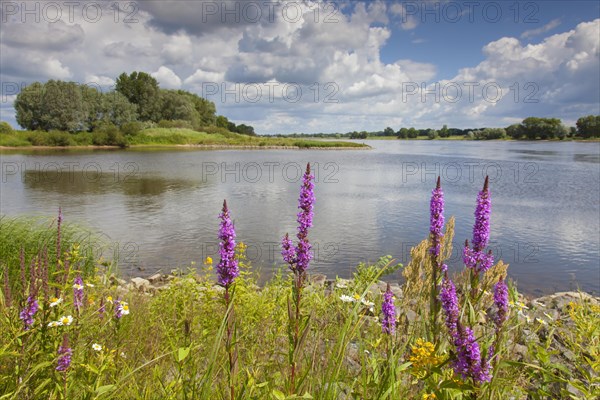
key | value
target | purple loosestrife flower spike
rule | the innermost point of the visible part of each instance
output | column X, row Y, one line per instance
column 299, row 257
column 481, row 229
column 468, row 357
column 78, row 292
column 227, row 269
column 388, row 323
column 305, row 220
column 436, row 225
column 288, row 251
column 26, row 315
column 501, row 301
column 449, row 302
column 64, row 355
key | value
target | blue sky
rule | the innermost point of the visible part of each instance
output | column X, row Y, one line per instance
column 456, row 41
column 316, row 66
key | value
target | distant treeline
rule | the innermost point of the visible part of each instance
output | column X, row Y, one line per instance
column 137, row 98
column 531, row 128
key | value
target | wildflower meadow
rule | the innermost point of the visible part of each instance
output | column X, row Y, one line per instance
column 71, row 328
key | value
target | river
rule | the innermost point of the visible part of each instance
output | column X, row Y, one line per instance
column 159, row 208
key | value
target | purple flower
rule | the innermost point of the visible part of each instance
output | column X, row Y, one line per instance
column 469, row 362
column 481, row 229
column 78, row 292
column 436, row 219
column 388, row 323
column 26, row 315
column 299, row 257
column 288, row 251
column 449, row 302
column 64, row 355
column 501, row 301
column 475, row 257
column 227, row 269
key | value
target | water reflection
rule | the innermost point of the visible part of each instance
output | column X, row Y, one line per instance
column 99, row 183
column 161, row 207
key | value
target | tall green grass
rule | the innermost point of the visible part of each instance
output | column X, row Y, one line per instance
column 35, row 235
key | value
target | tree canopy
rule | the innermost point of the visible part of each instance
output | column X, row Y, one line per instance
column 72, row 107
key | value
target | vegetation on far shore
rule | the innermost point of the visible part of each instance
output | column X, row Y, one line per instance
column 531, row 128
column 162, row 137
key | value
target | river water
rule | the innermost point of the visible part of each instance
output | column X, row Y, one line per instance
column 159, row 208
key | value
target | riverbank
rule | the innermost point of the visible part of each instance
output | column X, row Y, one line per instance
column 163, row 138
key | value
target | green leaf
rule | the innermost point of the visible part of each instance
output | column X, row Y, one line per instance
column 278, row 395
column 182, row 353
column 306, row 396
column 103, row 389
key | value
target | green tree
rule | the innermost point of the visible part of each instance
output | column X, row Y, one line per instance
column 413, row 133
column 62, row 107
column 403, row 133
column 28, row 106
column 178, row 106
column 588, row 127
column 207, row 112
column 222, row 122
column 444, row 132
column 544, row 128
column 515, row 131
column 388, row 132
column 116, row 109
column 245, row 130
column 142, row 90
column 92, row 106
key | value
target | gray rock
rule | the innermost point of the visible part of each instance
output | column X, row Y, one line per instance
column 141, row 284
column 155, row 278
column 574, row 391
column 397, row 290
column 219, row 289
column 317, row 279
column 411, row 316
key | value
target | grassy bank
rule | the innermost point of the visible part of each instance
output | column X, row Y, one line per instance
column 128, row 342
column 162, row 137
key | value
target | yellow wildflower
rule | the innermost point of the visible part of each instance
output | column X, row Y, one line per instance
column 208, row 261
column 423, row 357
column 430, row 396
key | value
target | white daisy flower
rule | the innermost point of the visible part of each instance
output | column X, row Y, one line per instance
column 97, row 347
column 66, row 320
column 367, row 303
column 55, row 301
column 54, row 324
column 347, row 299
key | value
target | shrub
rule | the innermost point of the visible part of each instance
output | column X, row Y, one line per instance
column 5, row 128
column 109, row 135
column 58, row 138
column 131, row 128
column 38, row 138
